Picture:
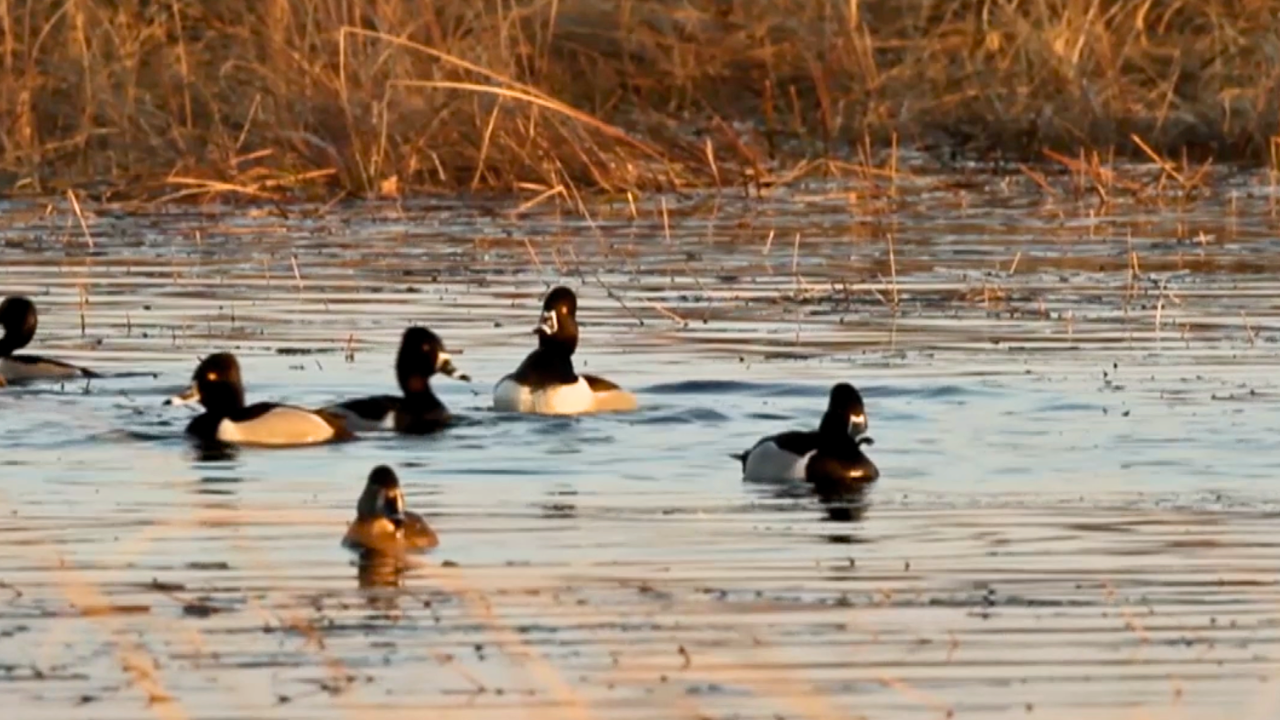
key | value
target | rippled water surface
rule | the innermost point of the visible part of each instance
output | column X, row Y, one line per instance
column 1075, row 415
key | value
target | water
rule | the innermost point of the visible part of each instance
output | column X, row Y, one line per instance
column 1075, row 518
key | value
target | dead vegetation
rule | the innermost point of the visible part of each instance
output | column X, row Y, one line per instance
column 190, row 97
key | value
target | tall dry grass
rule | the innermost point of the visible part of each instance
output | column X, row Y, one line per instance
column 390, row 96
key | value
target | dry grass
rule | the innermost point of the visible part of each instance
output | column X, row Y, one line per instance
column 194, row 98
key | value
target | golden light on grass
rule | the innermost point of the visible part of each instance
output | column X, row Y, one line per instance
column 196, row 99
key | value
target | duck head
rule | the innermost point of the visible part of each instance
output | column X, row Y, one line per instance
column 216, row 384
column 18, row 319
column 558, row 324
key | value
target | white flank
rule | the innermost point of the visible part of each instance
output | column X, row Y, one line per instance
column 768, row 462
column 615, row 401
column 510, row 396
column 280, row 426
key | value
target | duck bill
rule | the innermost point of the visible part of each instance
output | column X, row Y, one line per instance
column 186, row 397
column 547, row 324
column 445, row 366
column 393, row 504
column 858, row 425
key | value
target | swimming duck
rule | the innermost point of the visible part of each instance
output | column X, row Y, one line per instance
column 827, row 457
column 383, row 526
column 216, row 385
column 422, row 354
column 18, row 318
column 545, row 383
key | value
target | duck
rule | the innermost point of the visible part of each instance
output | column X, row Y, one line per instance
column 18, row 319
column 216, row 385
column 828, row 457
column 546, row 383
column 383, row 526
column 419, row 412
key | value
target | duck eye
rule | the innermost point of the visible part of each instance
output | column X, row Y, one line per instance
column 211, row 375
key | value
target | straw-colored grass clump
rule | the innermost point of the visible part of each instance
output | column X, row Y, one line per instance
column 384, row 96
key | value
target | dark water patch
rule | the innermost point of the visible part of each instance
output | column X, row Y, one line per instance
column 127, row 375
column 126, row 435
column 734, row 388
column 1069, row 406
column 700, row 387
column 684, row 416
column 481, row 470
column 936, row 392
column 772, row 417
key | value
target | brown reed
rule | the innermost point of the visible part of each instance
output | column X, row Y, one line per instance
column 191, row 98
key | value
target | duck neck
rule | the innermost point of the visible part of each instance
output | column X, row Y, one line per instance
column 555, row 364
column 222, row 400
column 558, row 344
column 11, row 343
column 416, row 387
column 421, row 399
column 370, row 505
column 834, row 429
column 553, row 360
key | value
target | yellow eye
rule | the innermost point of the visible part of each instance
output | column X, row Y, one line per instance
column 211, row 376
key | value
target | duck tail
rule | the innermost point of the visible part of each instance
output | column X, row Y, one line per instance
column 740, row 457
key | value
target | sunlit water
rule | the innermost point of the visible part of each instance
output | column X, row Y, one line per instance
column 1075, row 518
